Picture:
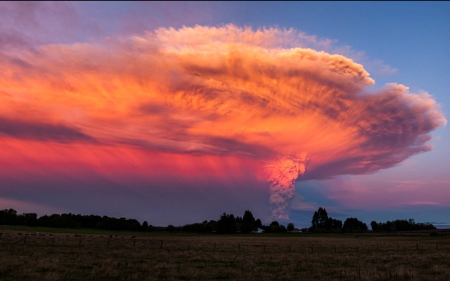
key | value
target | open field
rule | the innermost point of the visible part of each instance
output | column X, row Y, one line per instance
column 64, row 256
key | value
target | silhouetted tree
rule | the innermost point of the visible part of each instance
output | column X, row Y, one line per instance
column 354, row 225
column 322, row 223
column 274, row 223
column 8, row 217
column 290, row 226
column 133, row 225
column 337, row 224
column 144, row 227
column 320, row 218
column 226, row 224
column 274, row 227
column 248, row 222
column 333, row 224
column 374, row 225
column 258, row 223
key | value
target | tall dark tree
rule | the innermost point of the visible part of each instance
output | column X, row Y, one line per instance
column 144, row 227
column 248, row 222
column 258, row 223
column 8, row 216
column 290, row 227
column 322, row 223
column 320, row 218
column 374, row 225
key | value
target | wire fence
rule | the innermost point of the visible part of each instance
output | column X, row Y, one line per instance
column 300, row 244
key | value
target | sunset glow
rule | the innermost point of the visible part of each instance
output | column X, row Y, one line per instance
column 206, row 105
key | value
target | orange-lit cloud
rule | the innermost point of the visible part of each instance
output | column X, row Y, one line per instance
column 204, row 94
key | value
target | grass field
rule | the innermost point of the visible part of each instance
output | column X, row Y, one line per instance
column 96, row 256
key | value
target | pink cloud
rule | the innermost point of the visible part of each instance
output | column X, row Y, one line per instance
column 29, row 207
column 226, row 102
column 368, row 194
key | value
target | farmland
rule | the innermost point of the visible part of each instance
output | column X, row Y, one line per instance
column 26, row 255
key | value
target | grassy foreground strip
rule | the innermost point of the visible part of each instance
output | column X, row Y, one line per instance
column 86, row 231
column 69, row 256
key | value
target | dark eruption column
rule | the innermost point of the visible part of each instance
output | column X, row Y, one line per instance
column 282, row 176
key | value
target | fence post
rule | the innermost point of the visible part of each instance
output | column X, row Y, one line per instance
column 189, row 246
column 160, row 247
column 22, row 239
column 53, row 242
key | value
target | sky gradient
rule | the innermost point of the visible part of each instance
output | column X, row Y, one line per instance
column 177, row 112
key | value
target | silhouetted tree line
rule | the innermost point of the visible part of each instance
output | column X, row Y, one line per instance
column 322, row 223
column 10, row 217
column 400, row 225
column 227, row 224
column 274, row 227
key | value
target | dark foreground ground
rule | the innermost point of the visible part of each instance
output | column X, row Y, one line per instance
column 69, row 256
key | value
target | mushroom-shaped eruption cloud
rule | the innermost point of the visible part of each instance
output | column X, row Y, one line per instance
column 226, row 91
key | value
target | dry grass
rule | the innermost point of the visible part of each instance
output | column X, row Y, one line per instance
column 300, row 257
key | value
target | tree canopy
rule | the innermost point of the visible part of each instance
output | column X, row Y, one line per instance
column 322, row 223
column 400, row 225
column 354, row 225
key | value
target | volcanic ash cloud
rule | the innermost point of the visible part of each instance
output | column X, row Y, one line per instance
column 260, row 95
column 282, row 175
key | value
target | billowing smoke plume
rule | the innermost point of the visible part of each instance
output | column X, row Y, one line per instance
column 173, row 102
column 282, row 175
